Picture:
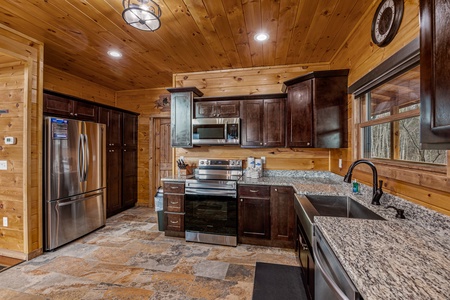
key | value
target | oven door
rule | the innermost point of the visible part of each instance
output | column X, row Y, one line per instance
column 211, row 219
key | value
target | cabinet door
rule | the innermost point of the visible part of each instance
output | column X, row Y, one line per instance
column 300, row 115
column 113, row 121
column 114, row 181
column 85, row 111
column 129, row 177
column 274, row 123
column 130, row 130
column 434, row 79
column 181, row 119
column 227, row 109
column 58, row 106
column 205, row 109
column 282, row 213
column 252, row 123
column 254, row 217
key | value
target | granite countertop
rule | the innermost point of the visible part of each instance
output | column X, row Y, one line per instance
column 392, row 259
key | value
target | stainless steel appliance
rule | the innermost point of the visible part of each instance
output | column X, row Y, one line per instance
column 211, row 202
column 331, row 280
column 74, row 179
column 216, row 131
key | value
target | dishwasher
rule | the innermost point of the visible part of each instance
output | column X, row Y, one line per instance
column 330, row 279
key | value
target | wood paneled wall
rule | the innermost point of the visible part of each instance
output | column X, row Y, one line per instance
column 250, row 81
column 144, row 102
column 430, row 189
column 21, row 84
column 65, row 83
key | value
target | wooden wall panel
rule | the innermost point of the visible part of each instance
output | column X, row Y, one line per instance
column 144, row 102
column 21, row 93
column 245, row 82
column 62, row 82
column 264, row 80
column 430, row 189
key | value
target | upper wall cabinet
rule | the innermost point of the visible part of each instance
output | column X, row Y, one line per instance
column 263, row 123
column 181, row 113
column 434, row 74
column 217, row 109
column 69, row 108
column 317, row 110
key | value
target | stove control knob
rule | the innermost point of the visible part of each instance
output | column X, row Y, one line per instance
column 232, row 162
column 202, row 162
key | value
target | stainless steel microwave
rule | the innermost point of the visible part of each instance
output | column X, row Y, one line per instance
column 216, row 131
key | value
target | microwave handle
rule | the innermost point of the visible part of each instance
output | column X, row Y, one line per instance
column 226, row 131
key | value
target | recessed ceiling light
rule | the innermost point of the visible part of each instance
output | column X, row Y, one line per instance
column 114, row 53
column 261, row 37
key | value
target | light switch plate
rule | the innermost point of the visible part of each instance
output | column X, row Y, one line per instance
column 340, row 163
column 5, row 221
column 3, row 165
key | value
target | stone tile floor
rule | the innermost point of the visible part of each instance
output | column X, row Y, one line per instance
column 130, row 259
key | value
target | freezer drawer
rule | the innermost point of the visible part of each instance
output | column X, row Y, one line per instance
column 71, row 218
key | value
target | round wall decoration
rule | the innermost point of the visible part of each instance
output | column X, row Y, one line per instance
column 386, row 21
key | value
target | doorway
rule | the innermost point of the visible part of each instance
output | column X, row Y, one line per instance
column 161, row 152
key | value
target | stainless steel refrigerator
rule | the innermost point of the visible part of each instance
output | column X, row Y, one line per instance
column 74, row 179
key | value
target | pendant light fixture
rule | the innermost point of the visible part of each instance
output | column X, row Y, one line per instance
column 142, row 14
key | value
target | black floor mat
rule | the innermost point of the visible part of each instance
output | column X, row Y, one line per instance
column 278, row 282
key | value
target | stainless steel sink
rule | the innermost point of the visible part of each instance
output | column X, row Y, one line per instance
column 331, row 206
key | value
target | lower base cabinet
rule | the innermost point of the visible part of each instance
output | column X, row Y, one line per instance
column 266, row 215
column 173, row 206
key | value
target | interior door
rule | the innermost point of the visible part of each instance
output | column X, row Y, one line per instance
column 162, row 152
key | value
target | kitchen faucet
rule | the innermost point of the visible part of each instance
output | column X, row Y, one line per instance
column 377, row 191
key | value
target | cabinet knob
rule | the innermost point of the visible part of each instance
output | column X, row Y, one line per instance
column 265, row 143
column 76, row 114
column 124, row 150
column 260, row 143
column 112, row 150
column 242, row 200
column 276, row 190
column 71, row 114
column 124, row 144
column 307, row 144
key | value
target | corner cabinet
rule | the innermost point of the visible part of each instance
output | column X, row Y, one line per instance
column 263, row 123
column 316, row 112
column 181, row 114
column 434, row 74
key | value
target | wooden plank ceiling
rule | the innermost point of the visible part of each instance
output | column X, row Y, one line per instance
column 195, row 35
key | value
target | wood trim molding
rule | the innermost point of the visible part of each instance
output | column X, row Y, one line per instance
column 405, row 59
column 396, row 117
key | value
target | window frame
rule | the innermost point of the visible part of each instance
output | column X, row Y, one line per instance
column 404, row 60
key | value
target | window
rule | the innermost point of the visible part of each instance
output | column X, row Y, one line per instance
column 389, row 121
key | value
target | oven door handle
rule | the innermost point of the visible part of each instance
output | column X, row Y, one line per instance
column 207, row 192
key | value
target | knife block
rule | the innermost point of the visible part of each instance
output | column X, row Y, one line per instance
column 182, row 173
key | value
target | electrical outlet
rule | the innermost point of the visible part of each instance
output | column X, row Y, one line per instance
column 340, row 163
column 3, row 165
column 263, row 160
column 5, row 221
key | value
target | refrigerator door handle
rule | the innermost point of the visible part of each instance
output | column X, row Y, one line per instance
column 80, row 158
column 86, row 148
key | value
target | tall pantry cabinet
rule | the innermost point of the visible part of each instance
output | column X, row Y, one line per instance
column 121, row 157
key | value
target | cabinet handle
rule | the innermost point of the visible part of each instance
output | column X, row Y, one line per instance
column 254, row 191
column 173, row 203
column 174, row 187
column 174, row 222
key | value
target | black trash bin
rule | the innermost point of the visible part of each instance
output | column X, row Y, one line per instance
column 159, row 208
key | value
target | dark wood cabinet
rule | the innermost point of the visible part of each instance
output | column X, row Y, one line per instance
column 113, row 181
column 317, row 110
column 69, row 108
column 121, row 148
column 215, row 109
column 254, row 213
column 173, row 205
column 282, row 213
column 263, row 123
column 434, row 74
column 305, row 258
column 181, row 114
